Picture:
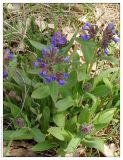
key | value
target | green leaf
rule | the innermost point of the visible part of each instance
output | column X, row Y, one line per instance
column 45, row 119
column 37, row 45
column 15, row 110
column 13, row 65
column 54, row 89
column 64, row 104
column 94, row 142
column 84, row 116
column 21, row 78
column 11, row 86
column 70, row 124
column 104, row 116
column 59, row 119
column 111, row 59
column 88, row 49
column 58, row 133
column 71, row 81
column 101, row 91
column 43, row 146
column 21, row 134
column 103, row 74
column 75, row 61
column 38, row 135
column 108, row 83
column 41, row 92
column 73, row 144
column 81, row 72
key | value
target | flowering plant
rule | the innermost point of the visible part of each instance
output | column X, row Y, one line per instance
column 62, row 101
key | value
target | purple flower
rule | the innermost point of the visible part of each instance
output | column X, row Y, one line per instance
column 39, row 59
column 86, row 26
column 111, row 26
column 20, row 122
column 105, row 51
column 44, row 52
column 66, row 59
column 43, row 73
column 53, row 76
column 53, row 41
column 35, row 64
column 43, row 64
column 5, row 74
column 8, row 55
column 7, row 51
column 115, row 40
column 65, row 75
column 58, row 39
column 62, row 41
column 113, row 32
column 48, row 79
column 86, row 128
column 61, row 82
column 11, row 55
column 85, row 37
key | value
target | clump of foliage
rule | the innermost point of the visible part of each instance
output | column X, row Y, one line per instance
column 55, row 99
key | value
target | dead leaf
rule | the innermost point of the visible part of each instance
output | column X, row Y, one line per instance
column 109, row 150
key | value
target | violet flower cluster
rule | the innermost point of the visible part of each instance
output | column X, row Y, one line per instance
column 58, row 40
column 7, row 56
column 86, row 128
column 50, row 58
column 108, row 35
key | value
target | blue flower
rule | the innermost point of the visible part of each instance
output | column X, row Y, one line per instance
column 65, row 75
column 111, row 26
column 43, row 64
column 85, row 37
column 35, row 64
column 39, row 59
column 53, row 76
column 66, row 59
column 105, row 51
column 58, row 39
column 115, row 40
column 11, row 55
column 5, row 74
column 62, row 41
column 48, row 79
column 113, row 32
column 44, row 51
column 43, row 73
column 61, row 82
column 86, row 26
column 7, row 51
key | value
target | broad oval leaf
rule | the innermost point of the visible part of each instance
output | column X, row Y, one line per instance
column 41, row 92
column 94, row 142
column 64, row 104
column 104, row 116
column 38, row 135
column 21, row 134
column 73, row 144
column 84, row 116
column 88, row 49
column 37, row 45
column 101, row 91
column 59, row 119
column 58, row 132
column 43, row 146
